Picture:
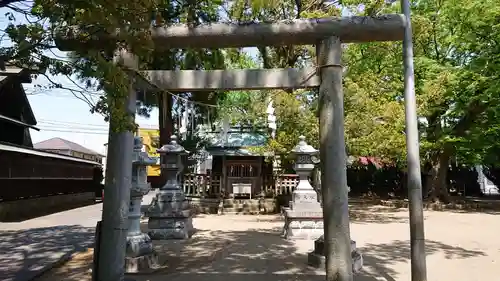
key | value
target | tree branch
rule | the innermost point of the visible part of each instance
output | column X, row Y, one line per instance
column 474, row 109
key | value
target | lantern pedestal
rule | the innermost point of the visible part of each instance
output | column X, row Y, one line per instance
column 140, row 255
column 170, row 215
column 317, row 257
column 304, row 217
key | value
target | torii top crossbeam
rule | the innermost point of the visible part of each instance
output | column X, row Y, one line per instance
column 292, row 32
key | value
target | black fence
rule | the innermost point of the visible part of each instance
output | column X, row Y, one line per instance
column 26, row 175
column 391, row 181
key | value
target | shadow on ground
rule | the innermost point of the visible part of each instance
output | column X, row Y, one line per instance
column 24, row 254
column 255, row 254
column 479, row 205
column 20, row 217
column 259, row 254
column 379, row 258
column 371, row 213
column 258, row 277
column 396, row 211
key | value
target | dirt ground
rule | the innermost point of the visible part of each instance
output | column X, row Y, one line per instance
column 461, row 246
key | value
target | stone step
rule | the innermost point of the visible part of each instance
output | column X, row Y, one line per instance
column 240, row 210
column 241, row 201
column 233, row 206
column 242, row 206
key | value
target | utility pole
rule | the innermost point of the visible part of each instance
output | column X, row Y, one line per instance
column 417, row 236
column 117, row 192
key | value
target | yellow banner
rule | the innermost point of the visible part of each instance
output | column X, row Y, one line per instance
column 151, row 139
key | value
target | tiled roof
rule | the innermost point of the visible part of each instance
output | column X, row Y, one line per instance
column 237, row 139
column 62, row 144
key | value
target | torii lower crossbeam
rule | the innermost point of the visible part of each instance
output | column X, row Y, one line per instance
column 234, row 79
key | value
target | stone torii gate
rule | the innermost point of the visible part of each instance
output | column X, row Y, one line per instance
column 327, row 34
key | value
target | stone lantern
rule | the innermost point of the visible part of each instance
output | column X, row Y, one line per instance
column 304, row 217
column 170, row 216
column 139, row 254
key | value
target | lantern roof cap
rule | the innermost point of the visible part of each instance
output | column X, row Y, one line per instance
column 303, row 148
column 172, row 147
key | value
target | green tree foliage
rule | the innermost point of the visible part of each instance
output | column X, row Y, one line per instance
column 365, row 107
column 192, row 13
column 456, row 61
column 295, row 110
column 456, row 70
column 458, row 49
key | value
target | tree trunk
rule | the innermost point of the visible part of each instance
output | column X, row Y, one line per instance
column 438, row 184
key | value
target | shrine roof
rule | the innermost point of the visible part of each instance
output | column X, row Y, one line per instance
column 235, row 139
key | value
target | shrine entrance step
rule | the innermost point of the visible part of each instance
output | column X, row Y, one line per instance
column 234, row 206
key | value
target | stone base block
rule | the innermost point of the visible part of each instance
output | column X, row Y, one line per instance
column 303, row 228
column 319, row 246
column 168, row 207
column 306, row 224
column 316, row 213
column 170, row 228
column 170, row 213
column 170, row 195
column 172, row 233
column 317, row 257
column 303, row 233
column 139, row 245
column 318, row 261
column 142, row 264
column 170, row 222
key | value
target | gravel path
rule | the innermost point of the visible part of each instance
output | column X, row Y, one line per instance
column 460, row 247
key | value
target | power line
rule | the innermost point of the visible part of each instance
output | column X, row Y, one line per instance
column 75, row 131
column 50, row 93
column 63, row 95
column 58, row 122
column 74, row 128
column 78, row 130
column 65, row 124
